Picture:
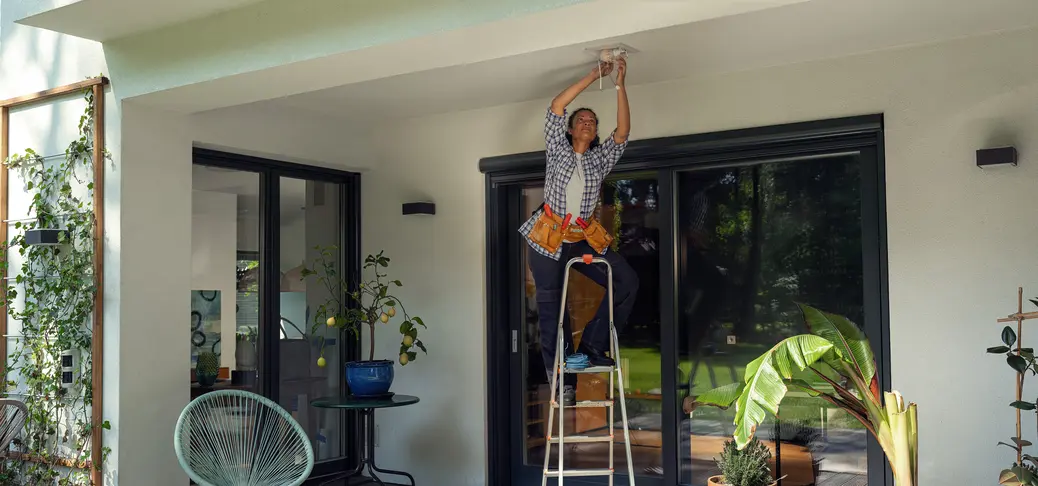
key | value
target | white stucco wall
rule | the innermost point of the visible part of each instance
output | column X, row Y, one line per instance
column 960, row 239
column 34, row 60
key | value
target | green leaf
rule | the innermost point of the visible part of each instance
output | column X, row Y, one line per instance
column 764, row 380
column 421, row 346
column 1008, row 478
column 398, row 284
column 847, row 338
column 1021, row 442
column 419, row 321
column 1011, row 446
column 411, row 355
column 1008, row 336
column 998, row 350
column 405, row 326
column 804, row 386
column 1017, row 363
column 1022, row 405
column 722, row 396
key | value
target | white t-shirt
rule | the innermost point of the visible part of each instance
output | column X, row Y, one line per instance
column 575, row 189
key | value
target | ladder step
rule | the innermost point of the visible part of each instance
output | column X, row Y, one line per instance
column 592, row 369
column 581, row 439
column 586, row 404
column 554, row 473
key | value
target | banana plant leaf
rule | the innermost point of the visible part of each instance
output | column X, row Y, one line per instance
column 765, row 382
column 852, row 344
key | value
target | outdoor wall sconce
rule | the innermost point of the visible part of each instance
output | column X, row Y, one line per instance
column 46, row 236
column 995, row 157
column 419, row 208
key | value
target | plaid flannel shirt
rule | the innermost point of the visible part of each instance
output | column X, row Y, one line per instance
column 561, row 161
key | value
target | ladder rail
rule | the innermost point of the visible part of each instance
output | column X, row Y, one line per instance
column 558, row 388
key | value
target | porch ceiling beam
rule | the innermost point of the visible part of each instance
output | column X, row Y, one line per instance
column 273, row 49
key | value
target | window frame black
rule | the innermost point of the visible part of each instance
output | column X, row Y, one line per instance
column 270, row 172
column 858, row 135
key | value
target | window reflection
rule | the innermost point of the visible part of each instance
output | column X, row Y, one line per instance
column 752, row 241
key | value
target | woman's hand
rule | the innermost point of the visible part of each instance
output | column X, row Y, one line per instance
column 601, row 69
column 621, row 71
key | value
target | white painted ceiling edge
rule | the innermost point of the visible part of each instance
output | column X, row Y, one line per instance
column 94, row 19
column 803, row 32
column 585, row 24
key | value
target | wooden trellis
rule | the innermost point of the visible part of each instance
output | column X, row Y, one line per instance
column 97, row 85
column 1019, row 317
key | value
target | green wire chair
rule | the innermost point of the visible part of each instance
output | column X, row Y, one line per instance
column 13, row 414
column 238, row 438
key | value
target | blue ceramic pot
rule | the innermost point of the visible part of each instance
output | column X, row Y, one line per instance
column 368, row 378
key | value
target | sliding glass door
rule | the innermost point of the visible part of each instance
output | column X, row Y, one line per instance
column 752, row 242
column 727, row 233
column 257, row 223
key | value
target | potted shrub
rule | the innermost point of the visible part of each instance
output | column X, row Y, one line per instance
column 207, row 367
column 370, row 304
column 835, row 363
column 743, row 467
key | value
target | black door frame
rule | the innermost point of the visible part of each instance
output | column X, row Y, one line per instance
column 858, row 135
column 270, row 173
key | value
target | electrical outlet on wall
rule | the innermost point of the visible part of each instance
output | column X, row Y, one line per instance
column 731, row 339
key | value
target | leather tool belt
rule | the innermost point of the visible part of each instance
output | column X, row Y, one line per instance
column 551, row 230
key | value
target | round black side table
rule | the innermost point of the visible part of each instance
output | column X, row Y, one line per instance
column 366, row 408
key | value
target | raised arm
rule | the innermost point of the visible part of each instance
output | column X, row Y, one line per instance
column 623, row 111
column 563, row 99
column 613, row 147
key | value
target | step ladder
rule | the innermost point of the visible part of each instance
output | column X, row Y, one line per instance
column 615, row 376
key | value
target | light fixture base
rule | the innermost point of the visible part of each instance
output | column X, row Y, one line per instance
column 596, row 52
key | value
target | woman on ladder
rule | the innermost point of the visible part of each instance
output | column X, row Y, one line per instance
column 565, row 227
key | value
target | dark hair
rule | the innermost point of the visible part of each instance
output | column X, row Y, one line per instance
column 573, row 117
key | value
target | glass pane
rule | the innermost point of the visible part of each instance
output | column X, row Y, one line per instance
column 309, row 218
column 629, row 212
column 224, row 278
column 753, row 241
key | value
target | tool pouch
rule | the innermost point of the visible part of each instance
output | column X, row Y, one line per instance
column 547, row 233
column 597, row 237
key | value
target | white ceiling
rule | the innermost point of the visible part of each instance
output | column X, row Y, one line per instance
column 94, row 19
column 812, row 30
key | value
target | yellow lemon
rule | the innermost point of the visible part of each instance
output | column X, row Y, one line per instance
column 392, row 311
column 408, row 341
column 331, row 321
column 403, row 358
column 384, row 317
column 321, row 362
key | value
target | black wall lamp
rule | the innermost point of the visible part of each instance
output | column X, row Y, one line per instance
column 419, row 208
column 996, row 157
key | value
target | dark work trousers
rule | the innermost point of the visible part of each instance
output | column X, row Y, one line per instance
column 548, row 276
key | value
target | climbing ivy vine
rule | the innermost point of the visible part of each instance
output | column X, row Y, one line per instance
column 52, row 295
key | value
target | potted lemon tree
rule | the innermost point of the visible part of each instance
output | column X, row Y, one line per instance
column 371, row 304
